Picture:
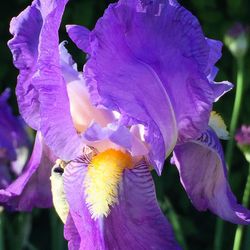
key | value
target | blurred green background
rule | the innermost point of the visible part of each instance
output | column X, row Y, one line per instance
column 43, row 230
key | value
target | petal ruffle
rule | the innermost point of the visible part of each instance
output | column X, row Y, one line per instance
column 24, row 47
column 68, row 65
column 32, row 188
column 214, row 54
column 220, row 88
column 41, row 90
column 203, row 174
column 137, row 222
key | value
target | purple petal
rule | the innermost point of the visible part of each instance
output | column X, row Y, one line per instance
column 6, row 145
column 214, row 54
column 137, row 222
column 119, row 135
column 115, row 136
column 24, row 46
column 5, row 177
column 146, row 86
column 88, row 229
column 14, row 143
column 80, row 36
column 41, row 90
column 12, row 130
column 213, row 73
column 32, row 188
column 68, row 66
column 203, row 174
column 221, row 88
column 71, row 234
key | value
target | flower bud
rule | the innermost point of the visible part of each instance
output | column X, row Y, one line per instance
column 243, row 141
column 237, row 41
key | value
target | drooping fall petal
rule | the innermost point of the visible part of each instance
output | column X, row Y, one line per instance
column 203, row 174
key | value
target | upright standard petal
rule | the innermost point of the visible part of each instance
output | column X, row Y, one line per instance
column 32, row 188
column 41, row 90
column 160, row 56
column 24, row 47
column 80, row 36
column 203, row 174
column 132, row 84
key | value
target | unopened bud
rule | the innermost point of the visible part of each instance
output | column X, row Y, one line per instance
column 243, row 141
column 237, row 41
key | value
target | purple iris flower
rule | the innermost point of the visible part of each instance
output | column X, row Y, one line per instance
column 20, row 188
column 147, row 88
column 162, row 61
column 98, row 152
column 14, row 143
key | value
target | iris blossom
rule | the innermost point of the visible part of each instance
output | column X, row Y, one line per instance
column 20, row 188
column 122, row 115
column 14, row 143
column 159, row 44
column 113, row 179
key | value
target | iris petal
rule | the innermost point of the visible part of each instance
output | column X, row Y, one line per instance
column 131, row 84
column 24, row 46
column 88, row 229
column 32, row 188
column 214, row 54
column 219, row 88
column 13, row 135
column 136, row 221
column 41, row 90
column 80, row 36
column 71, row 234
column 157, row 47
column 203, row 174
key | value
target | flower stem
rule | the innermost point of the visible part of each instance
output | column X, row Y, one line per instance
column 236, row 112
column 173, row 217
column 229, row 150
column 240, row 228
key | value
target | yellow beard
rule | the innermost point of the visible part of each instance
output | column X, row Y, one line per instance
column 102, row 180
